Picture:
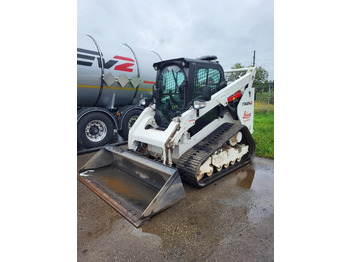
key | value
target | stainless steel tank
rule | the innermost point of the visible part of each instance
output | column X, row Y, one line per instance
column 98, row 62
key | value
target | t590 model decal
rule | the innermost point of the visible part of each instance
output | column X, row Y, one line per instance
column 87, row 57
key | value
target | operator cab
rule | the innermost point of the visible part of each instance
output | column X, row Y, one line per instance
column 182, row 81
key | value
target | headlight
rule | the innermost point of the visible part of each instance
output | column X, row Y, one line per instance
column 199, row 104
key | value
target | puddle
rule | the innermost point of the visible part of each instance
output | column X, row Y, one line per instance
column 232, row 217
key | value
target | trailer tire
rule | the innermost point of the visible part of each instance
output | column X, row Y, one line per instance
column 127, row 122
column 95, row 129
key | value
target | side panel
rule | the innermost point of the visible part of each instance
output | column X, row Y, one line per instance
column 118, row 60
column 147, row 74
column 88, row 72
column 121, row 63
column 245, row 110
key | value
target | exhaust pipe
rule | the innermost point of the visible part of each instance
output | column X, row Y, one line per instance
column 137, row 187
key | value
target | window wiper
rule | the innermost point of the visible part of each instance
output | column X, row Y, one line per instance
column 175, row 79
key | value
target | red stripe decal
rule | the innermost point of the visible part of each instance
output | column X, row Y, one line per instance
column 124, row 58
column 124, row 67
column 149, row 82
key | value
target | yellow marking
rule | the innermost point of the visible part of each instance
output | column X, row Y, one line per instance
column 118, row 88
column 88, row 86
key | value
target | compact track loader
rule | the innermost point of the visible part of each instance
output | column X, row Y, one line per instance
column 197, row 129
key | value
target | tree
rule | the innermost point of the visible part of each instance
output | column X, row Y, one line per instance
column 260, row 82
column 235, row 76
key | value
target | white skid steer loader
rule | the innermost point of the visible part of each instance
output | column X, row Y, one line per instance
column 197, row 129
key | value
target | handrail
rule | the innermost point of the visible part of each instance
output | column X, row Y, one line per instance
column 237, row 70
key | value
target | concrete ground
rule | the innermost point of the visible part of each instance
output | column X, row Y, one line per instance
column 230, row 220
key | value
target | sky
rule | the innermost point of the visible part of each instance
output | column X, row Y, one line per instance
column 231, row 30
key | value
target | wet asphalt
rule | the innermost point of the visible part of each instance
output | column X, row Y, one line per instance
column 232, row 219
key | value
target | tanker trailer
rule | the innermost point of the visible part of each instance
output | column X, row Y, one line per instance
column 112, row 80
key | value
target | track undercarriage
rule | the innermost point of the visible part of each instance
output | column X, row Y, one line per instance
column 223, row 151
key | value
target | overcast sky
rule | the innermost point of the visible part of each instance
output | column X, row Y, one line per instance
column 231, row 30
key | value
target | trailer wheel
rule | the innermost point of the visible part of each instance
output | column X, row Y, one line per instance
column 127, row 122
column 94, row 130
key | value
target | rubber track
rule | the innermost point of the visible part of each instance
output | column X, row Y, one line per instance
column 190, row 162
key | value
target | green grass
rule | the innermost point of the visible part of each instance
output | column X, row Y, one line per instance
column 262, row 108
column 264, row 134
column 262, row 97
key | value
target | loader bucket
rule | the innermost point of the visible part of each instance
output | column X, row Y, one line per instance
column 137, row 187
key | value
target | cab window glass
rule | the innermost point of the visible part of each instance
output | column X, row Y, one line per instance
column 170, row 87
column 205, row 77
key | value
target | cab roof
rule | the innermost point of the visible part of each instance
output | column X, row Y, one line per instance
column 201, row 60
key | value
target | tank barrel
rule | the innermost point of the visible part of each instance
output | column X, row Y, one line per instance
column 104, row 69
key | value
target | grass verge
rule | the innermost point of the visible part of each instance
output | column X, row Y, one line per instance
column 264, row 134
